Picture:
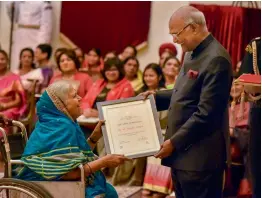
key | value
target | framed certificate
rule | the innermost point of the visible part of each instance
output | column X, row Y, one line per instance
column 132, row 127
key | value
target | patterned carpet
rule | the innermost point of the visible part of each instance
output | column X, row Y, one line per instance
column 132, row 192
column 128, row 191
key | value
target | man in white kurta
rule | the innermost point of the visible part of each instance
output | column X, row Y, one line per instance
column 32, row 26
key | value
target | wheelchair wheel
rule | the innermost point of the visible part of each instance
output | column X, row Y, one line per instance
column 15, row 188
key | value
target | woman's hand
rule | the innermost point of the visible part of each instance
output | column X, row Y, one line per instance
column 97, row 132
column 88, row 113
column 114, row 160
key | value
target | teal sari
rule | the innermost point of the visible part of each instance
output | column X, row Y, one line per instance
column 57, row 146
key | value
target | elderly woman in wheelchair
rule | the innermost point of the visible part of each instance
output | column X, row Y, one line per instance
column 57, row 146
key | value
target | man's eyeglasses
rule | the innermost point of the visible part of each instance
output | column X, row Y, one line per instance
column 176, row 35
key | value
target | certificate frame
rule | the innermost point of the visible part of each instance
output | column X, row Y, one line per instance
column 149, row 107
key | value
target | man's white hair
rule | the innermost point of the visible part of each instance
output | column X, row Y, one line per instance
column 61, row 89
column 190, row 15
column 195, row 17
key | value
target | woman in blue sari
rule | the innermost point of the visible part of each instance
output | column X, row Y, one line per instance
column 57, row 146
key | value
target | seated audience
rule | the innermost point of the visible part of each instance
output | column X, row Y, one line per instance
column 110, row 54
column 68, row 64
column 132, row 173
column 171, row 68
column 154, row 80
column 58, row 52
column 94, row 64
column 12, row 94
column 80, row 55
column 113, row 86
column 131, row 68
column 58, row 145
column 129, row 51
column 166, row 50
column 43, row 54
column 27, row 68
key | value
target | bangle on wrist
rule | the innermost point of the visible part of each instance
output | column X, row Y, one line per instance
column 90, row 170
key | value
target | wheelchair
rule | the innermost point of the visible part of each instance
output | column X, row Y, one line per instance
column 12, row 146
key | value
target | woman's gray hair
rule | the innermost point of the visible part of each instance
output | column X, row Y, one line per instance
column 61, row 89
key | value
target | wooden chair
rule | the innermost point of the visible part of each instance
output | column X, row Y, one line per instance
column 28, row 121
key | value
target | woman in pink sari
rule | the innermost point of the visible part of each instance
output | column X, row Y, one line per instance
column 69, row 64
column 12, row 94
column 26, row 67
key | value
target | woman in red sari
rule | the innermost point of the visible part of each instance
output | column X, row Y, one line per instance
column 69, row 64
column 12, row 95
column 113, row 86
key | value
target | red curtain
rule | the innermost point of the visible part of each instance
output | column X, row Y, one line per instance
column 105, row 25
column 232, row 26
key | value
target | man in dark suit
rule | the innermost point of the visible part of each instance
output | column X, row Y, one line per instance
column 197, row 133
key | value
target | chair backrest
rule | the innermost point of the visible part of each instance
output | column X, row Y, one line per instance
column 28, row 121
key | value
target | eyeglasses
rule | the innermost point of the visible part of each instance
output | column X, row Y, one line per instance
column 176, row 35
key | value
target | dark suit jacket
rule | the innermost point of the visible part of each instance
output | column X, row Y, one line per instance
column 198, row 116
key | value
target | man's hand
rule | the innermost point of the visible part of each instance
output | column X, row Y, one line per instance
column 165, row 150
column 146, row 94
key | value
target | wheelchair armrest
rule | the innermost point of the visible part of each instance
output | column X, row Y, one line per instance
column 16, row 162
column 81, row 167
